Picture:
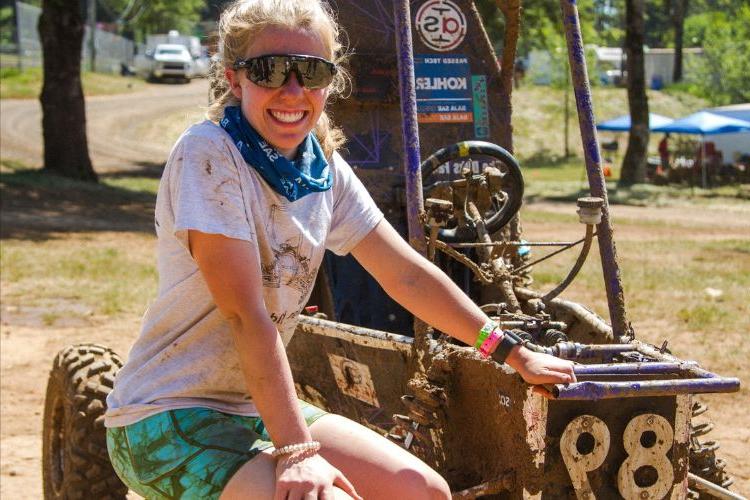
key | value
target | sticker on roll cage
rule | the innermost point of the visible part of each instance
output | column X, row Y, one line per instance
column 443, row 88
column 441, row 25
column 481, row 110
column 353, row 379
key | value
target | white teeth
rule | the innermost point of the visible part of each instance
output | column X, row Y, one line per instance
column 285, row 117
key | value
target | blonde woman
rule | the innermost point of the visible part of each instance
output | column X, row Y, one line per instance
column 249, row 200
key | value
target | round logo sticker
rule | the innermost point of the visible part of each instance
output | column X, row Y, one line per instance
column 441, row 25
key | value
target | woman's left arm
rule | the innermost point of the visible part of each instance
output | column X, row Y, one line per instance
column 425, row 291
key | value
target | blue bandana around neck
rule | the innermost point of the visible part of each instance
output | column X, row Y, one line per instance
column 293, row 179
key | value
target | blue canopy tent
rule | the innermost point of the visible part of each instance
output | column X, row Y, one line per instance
column 704, row 123
column 622, row 123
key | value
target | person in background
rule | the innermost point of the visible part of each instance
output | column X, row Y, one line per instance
column 663, row 155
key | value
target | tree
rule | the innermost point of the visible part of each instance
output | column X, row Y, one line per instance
column 61, row 30
column 679, row 8
column 634, row 163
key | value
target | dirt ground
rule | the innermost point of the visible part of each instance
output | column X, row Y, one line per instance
column 28, row 345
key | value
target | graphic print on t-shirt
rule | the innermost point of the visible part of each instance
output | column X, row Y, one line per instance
column 289, row 266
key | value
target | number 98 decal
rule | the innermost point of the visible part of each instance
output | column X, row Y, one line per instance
column 647, row 439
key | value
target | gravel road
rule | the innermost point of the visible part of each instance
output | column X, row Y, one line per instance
column 113, row 126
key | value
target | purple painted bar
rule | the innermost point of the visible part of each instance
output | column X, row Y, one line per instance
column 635, row 369
column 593, row 391
column 410, row 129
column 586, row 121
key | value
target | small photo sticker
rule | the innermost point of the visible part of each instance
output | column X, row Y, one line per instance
column 441, row 25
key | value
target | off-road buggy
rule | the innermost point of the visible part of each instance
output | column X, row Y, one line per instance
column 626, row 429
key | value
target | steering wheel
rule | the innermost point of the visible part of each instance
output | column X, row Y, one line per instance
column 506, row 198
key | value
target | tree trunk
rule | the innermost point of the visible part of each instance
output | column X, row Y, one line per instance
column 678, row 20
column 61, row 30
column 634, row 163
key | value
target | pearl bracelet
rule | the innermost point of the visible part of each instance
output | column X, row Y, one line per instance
column 294, row 448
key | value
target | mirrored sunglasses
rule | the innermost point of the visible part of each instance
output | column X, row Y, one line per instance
column 272, row 71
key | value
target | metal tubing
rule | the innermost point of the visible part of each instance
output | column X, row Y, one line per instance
column 355, row 334
column 610, row 267
column 410, row 130
column 714, row 490
column 574, row 350
column 515, row 244
column 634, row 368
column 593, row 391
column 648, row 350
column 574, row 270
column 549, row 255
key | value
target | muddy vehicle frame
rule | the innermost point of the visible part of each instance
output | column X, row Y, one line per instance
column 626, row 429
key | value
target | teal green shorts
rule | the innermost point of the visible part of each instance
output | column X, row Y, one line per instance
column 188, row 453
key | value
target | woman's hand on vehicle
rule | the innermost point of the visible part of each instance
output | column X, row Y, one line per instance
column 309, row 476
column 537, row 368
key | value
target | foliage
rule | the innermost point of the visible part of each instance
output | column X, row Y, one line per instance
column 27, row 83
column 142, row 17
column 541, row 23
column 721, row 74
column 7, row 28
column 608, row 22
column 657, row 16
column 602, row 22
column 542, row 30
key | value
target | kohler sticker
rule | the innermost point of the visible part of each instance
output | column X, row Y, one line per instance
column 443, row 85
column 441, row 25
column 353, row 379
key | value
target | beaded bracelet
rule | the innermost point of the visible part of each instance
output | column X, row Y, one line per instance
column 489, row 345
column 294, row 448
column 484, row 333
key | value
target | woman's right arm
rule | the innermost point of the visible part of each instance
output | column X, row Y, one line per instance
column 233, row 276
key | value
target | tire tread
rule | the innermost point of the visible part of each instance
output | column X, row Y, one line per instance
column 82, row 375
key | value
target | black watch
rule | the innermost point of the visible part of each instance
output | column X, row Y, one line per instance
column 509, row 341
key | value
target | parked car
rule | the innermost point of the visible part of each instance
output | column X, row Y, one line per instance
column 166, row 61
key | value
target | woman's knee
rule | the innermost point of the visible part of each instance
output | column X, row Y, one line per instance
column 421, row 483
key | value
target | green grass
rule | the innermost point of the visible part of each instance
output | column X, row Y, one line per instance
column 565, row 179
column 27, row 83
column 538, row 119
column 538, row 126
column 668, row 279
column 17, row 173
column 105, row 278
column 135, row 184
column 81, row 273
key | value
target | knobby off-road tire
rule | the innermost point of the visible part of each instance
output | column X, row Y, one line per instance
column 75, row 463
column 704, row 461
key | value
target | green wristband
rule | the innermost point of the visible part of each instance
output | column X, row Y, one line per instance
column 484, row 333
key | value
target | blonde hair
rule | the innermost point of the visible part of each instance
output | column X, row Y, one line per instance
column 244, row 20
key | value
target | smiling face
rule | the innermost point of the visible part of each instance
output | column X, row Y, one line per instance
column 282, row 116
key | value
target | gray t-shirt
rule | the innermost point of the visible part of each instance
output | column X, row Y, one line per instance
column 185, row 356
